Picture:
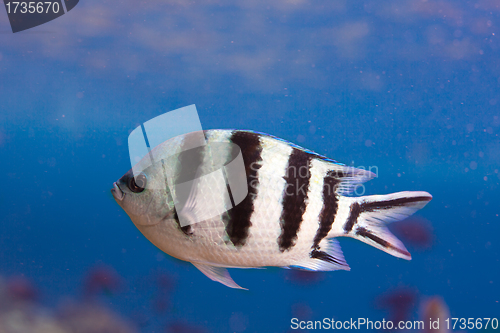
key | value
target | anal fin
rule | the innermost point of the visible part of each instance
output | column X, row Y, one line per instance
column 219, row 274
column 326, row 257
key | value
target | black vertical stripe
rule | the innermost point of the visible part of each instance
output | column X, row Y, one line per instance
column 187, row 230
column 330, row 207
column 189, row 167
column 297, row 178
column 189, row 159
column 354, row 212
column 239, row 223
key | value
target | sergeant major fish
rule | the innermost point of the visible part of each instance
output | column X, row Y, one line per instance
column 288, row 219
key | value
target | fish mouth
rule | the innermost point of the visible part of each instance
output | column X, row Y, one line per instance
column 117, row 192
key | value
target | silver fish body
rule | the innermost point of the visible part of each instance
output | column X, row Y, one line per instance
column 295, row 207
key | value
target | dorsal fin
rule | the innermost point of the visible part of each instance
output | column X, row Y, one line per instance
column 349, row 177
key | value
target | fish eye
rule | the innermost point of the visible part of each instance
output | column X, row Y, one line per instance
column 137, row 184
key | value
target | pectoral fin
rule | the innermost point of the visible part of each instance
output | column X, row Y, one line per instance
column 219, row 274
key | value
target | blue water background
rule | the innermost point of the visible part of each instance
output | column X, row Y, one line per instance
column 411, row 87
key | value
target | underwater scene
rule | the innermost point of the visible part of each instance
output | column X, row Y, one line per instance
column 356, row 143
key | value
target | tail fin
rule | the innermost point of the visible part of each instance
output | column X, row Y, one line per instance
column 369, row 215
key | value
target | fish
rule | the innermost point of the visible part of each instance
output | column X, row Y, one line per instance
column 297, row 203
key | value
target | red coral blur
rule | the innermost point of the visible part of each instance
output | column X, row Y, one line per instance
column 102, row 279
column 21, row 289
column 399, row 303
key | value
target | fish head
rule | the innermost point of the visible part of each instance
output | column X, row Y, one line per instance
column 145, row 196
column 191, row 177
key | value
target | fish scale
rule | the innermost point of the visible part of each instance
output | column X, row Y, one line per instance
column 295, row 208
